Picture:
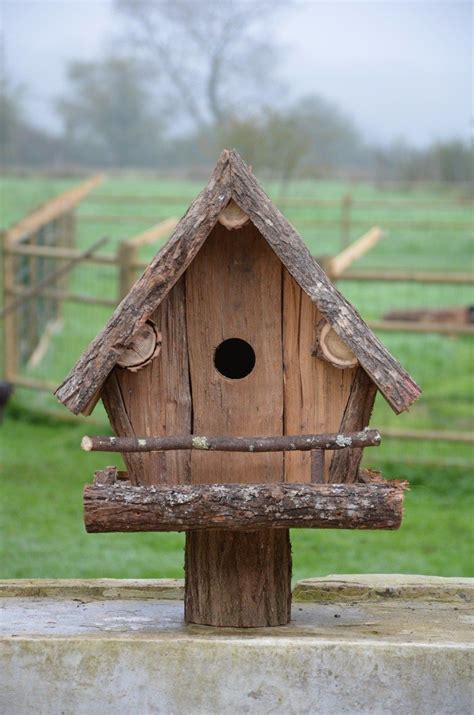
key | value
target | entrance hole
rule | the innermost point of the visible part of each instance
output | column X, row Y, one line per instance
column 234, row 358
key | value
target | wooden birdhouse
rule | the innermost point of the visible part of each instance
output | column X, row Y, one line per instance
column 239, row 384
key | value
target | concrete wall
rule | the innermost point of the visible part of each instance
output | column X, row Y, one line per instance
column 363, row 644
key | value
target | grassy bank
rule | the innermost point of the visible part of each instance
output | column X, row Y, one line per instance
column 43, row 470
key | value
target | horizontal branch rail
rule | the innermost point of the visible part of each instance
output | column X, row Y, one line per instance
column 351, row 274
column 32, row 383
column 288, row 201
column 121, row 507
column 407, row 276
column 56, row 252
column 411, row 326
column 47, row 280
column 429, row 435
column 64, row 295
column 153, row 234
column 416, row 223
column 286, row 443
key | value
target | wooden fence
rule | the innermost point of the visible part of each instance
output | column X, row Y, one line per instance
column 45, row 239
column 30, row 250
column 345, row 208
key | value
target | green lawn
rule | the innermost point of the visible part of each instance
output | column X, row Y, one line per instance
column 43, row 469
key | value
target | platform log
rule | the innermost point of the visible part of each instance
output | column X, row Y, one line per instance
column 243, row 507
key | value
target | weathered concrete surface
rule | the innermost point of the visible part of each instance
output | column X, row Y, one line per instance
column 346, row 587
column 90, row 654
column 99, row 588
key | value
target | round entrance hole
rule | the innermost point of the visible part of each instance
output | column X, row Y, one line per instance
column 234, row 358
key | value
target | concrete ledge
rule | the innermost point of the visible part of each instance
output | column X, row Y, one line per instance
column 101, row 647
column 364, row 587
column 100, row 588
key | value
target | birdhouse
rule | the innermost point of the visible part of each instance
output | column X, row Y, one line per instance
column 239, row 384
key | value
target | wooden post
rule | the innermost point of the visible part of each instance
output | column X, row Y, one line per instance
column 9, row 323
column 337, row 265
column 238, row 579
column 126, row 257
column 346, row 210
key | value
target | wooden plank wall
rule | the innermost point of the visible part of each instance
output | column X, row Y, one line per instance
column 236, row 287
column 233, row 290
column 316, row 392
column 156, row 400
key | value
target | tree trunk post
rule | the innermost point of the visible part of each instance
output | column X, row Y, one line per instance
column 238, row 579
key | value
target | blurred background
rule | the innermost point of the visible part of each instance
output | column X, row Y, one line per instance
column 355, row 116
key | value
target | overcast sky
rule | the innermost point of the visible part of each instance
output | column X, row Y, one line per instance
column 400, row 69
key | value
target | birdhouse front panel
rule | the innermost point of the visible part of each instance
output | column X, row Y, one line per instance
column 234, row 325
column 234, row 330
column 237, row 352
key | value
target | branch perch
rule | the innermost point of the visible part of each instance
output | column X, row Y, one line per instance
column 287, row 443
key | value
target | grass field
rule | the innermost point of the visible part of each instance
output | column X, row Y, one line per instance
column 43, row 469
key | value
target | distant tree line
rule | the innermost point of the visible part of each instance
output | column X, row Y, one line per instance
column 191, row 79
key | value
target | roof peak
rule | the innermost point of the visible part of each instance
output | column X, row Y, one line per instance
column 233, row 179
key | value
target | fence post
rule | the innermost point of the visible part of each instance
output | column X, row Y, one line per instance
column 346, row 210
column 126, row 257
column 9, row 320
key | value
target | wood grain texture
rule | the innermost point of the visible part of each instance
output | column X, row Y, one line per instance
column 156, row 400
column 345, row 467
column 116, row 409
column 118, row 507
column 233, row 290
column 316, row 392
column 238, row 579
column 233, row 179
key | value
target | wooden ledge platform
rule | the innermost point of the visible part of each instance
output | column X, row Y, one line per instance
column 124, row 507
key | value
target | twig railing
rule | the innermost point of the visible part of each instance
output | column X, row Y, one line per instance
column 314, row 443
column 278, row 443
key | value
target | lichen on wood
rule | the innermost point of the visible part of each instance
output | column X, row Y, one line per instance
column 242, row 507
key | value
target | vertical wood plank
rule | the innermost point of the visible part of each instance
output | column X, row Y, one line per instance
column 116, row 409
column 233, row 290
column 156, row 400
column 316, row 392
column 345, row 463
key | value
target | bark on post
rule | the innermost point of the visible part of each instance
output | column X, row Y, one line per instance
column 238, row 579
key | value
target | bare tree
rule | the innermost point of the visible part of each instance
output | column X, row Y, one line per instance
column 214, row 54
column 108, row 114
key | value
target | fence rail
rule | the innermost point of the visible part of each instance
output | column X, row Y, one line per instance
column 49, row 228
column 46, row 239
column 288, row 201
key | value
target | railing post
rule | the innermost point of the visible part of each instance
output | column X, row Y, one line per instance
column 126, row 257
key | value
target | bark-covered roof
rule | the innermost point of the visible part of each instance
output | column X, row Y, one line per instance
column 232, row 179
